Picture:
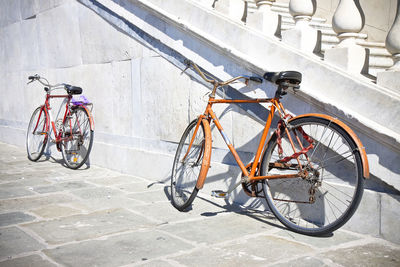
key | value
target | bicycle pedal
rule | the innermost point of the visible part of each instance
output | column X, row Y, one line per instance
column 219, row 194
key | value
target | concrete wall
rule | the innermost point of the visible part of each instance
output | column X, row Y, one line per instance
column 142, row 101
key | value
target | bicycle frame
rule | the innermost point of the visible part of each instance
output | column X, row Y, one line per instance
column 276, row 105
column 249, row 176
column 47, row 109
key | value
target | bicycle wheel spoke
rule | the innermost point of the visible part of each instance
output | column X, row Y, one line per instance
column 78, row 138
column 36, row 138
column 187, row 166
column 327, row 196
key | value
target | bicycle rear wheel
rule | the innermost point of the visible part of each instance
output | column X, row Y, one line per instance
column 37, row 134
column 77, row 138
column 328, row 196
column 188, row 165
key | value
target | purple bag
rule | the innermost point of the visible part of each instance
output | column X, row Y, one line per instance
column 80, row 100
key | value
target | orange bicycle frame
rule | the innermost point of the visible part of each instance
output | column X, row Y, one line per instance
column 276, row 105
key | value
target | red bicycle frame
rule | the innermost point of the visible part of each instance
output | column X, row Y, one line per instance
column 49, row 117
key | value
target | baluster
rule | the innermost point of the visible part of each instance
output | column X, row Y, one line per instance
column 235, row 9
column 391, row 77
column 264, row 19
column 206, row 3
column 347, row 22
column 302, row 36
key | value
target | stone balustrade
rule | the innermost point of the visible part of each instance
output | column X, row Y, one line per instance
column 347, row 23
column 391, row 77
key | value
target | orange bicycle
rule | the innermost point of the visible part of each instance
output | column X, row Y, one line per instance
column 310, row 171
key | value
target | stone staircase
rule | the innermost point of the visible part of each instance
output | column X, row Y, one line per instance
column 379, row 58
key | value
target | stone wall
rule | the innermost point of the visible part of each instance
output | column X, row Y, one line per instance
column 142, row 102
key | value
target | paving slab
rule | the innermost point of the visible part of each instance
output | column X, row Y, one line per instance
column 100, row 217
column 141, row 186
column 14, row 218
column 158, row 263
column 116, row 180
column 28, row 203
column 16, row 192
column 55, row 211
column 336, row 239
column 374, row 254
column 86, row 226
column 27, row 183
column 109, row 202
column 65, row 186
column 98, row 192
column 118, row 250
column 14, row 241
column 304, row 262
column 31, row 261
column 150, row 196
column 257, row 251
column 216, row 229
column 166, row 213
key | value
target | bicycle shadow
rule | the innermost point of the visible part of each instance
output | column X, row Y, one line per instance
column 258, row 215
column 49, row 157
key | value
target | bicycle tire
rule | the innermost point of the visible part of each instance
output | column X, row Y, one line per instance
column 334, row 162
column 37, row 134
column 77, row 138
column 185, row 174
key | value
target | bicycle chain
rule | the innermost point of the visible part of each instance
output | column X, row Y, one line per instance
column 279, row 141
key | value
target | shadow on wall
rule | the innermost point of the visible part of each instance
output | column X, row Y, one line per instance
column 294, row 104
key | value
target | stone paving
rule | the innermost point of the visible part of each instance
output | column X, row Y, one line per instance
column 54, row 216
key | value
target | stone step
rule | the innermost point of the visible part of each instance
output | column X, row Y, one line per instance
column 328, row 35
column 251, row 7
column 375, row 70
column 376, row 48
column 382, row 52
column 374, row 52
column 324, row 28
column 315, row 23
column 325, row 46
column 282, row 10
column 380, row 62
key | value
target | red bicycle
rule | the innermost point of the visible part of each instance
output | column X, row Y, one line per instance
column 73, row 134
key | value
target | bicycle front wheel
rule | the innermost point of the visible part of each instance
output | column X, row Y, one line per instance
column 330, row 192
column 37, row 134
column 77, row 138
column 193, row 148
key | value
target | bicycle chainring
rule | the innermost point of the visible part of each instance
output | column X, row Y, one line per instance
column 254, row 188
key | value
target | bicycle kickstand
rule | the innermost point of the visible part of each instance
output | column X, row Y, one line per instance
column 223, row 194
